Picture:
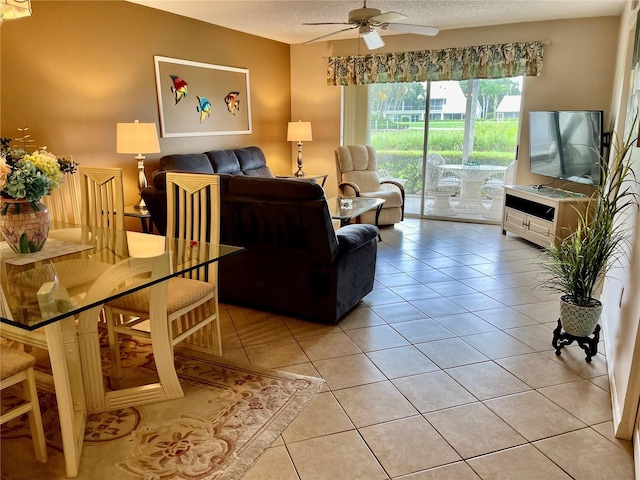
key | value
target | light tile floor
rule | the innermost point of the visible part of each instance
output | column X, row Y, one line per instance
column 445, row 371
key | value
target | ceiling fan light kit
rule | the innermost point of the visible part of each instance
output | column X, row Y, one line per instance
column 371, row 38
column 366, row 20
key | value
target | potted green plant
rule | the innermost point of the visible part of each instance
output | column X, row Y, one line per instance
column 576, row 265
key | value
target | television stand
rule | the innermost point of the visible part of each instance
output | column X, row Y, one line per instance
column 542, row 216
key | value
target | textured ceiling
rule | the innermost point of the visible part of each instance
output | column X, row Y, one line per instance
column 281, row 20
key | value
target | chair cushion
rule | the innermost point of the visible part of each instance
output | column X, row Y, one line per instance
column 391, row 198
column 367, row 180
column 181, row 292
column 14, row 361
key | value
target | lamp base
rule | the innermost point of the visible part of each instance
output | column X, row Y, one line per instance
column 142, row 182
column 300, row 173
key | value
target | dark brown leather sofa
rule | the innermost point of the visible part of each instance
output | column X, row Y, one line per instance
column 295, row 262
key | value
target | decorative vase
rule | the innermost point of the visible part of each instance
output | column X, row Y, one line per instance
column 24, row 225
column 579, row 320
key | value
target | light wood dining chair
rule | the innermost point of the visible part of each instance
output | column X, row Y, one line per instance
column 17, row 367
column 193, row 207
column 101, row 205
column 64, row 379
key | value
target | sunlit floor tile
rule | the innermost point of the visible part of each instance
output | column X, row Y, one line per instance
column 332, row 456
column 487, row 380
column 474, row 430
column 521, row 463
column 537, row 370
column 419, row 331
column 376, row 338
column 275, row 464
column 400, row 312
column 389, row 403
column 453, row 471
column 497, row 344
column 349, row 371
column 464, row 323
column 587, row 455
column 331, row 345
column 506, row 317
column 276, row 354
column 407, row 446
column 582, row 399
column 451, row 352
column 323, row 416
column 433, row 391
column 402, row 361
column 533, row 415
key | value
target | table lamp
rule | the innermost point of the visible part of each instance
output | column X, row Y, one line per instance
column 138, row 138
column 299, row 132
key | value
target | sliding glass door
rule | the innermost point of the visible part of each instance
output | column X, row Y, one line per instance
column 450, row 143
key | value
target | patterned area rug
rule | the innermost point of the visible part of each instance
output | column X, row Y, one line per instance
column 226, row 419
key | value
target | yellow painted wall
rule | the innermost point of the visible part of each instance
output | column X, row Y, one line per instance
column 72, row 70
column 578, row 73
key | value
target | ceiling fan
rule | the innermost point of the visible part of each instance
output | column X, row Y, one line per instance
column 367, row 20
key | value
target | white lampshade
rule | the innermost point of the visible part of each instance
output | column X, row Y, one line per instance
column 299, row 132
column 137, row 138
column 12, row 9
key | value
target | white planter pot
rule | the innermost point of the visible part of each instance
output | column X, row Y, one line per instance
column 578, row 320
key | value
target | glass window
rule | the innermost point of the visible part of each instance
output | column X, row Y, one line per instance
column 472, row 123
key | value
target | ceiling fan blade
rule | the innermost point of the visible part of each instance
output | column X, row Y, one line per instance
column 408, row 28
column 372, row 39
column 388, row 17
column 330, row 34
column 327, row 23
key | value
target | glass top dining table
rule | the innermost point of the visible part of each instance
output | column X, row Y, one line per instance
column 23, row 276
column 41, row 295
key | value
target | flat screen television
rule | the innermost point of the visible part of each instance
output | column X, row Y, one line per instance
column 567, row 145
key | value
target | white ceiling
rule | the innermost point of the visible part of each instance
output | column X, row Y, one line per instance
column 281, row 19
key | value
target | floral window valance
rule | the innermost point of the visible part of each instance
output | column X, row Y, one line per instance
column 463, row 63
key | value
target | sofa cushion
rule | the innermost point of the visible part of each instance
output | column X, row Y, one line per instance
column 186, row 162
column 224, row 161
column 180, row 162
column 253, row 162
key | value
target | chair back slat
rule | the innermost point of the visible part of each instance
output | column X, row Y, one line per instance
column 64, row 202
column 193, row 218
column 102, row 197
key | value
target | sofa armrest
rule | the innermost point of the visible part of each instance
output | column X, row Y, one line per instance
column 352, row 237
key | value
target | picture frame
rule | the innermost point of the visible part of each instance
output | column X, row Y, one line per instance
column 199, row 99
